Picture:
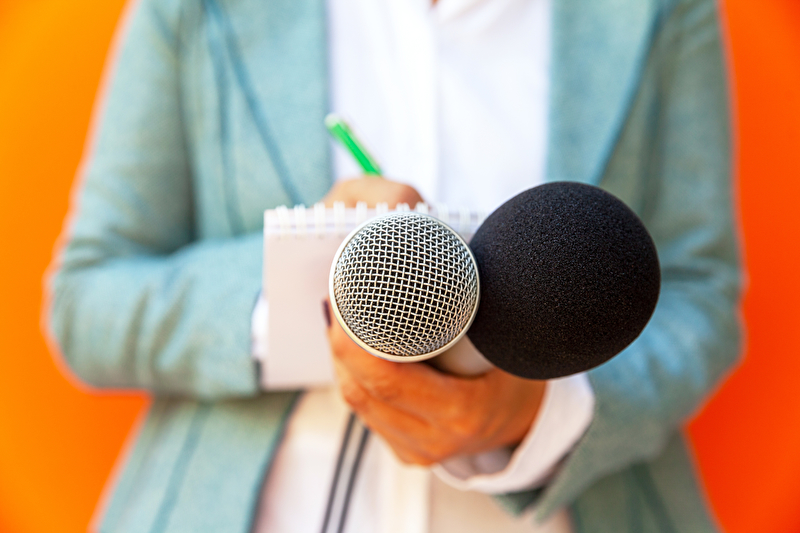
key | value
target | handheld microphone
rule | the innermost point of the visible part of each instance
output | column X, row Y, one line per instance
column 558, row 280
column 404, row 286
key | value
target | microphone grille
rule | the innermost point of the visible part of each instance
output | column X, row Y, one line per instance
column 405, row 285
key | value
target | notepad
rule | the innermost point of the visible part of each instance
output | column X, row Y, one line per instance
column 299, row 246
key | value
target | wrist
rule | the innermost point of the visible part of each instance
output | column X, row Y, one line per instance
column 529, row 399
column 510, row 416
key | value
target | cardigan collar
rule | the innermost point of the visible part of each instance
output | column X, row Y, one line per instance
column 599, row 49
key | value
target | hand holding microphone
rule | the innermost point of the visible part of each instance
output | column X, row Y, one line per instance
column 419, row 290
column 427, row 416
column 424, row 415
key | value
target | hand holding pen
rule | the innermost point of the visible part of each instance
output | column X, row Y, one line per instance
column 371, row 191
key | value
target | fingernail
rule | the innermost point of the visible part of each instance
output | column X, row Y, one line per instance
column 326, row 312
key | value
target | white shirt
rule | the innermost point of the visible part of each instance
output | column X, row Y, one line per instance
column 451, row 99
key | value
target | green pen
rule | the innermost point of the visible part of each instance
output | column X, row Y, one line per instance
column 342, row 132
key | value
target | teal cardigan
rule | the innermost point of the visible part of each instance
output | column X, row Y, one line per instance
column 214, row 113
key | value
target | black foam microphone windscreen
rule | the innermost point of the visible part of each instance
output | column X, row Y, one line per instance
column 569, row 277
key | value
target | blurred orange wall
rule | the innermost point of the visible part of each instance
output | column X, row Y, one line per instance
column 748, row 438
column 58, row 441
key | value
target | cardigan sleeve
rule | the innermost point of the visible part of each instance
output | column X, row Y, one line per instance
column 693, row 338
column 137, row 301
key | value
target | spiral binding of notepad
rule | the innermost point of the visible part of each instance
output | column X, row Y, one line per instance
column 320, row 221
column 299, row 246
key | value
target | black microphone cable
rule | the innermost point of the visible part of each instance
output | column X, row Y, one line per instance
column 351, row 453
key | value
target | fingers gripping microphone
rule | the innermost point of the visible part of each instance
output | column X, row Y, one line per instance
column 568, row 276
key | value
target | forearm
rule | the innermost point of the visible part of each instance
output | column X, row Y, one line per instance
column 141, row 297
column 176, row 323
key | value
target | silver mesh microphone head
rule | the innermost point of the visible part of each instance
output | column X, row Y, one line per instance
column 404, row 286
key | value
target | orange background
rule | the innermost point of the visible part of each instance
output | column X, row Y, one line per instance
column 58, row 440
